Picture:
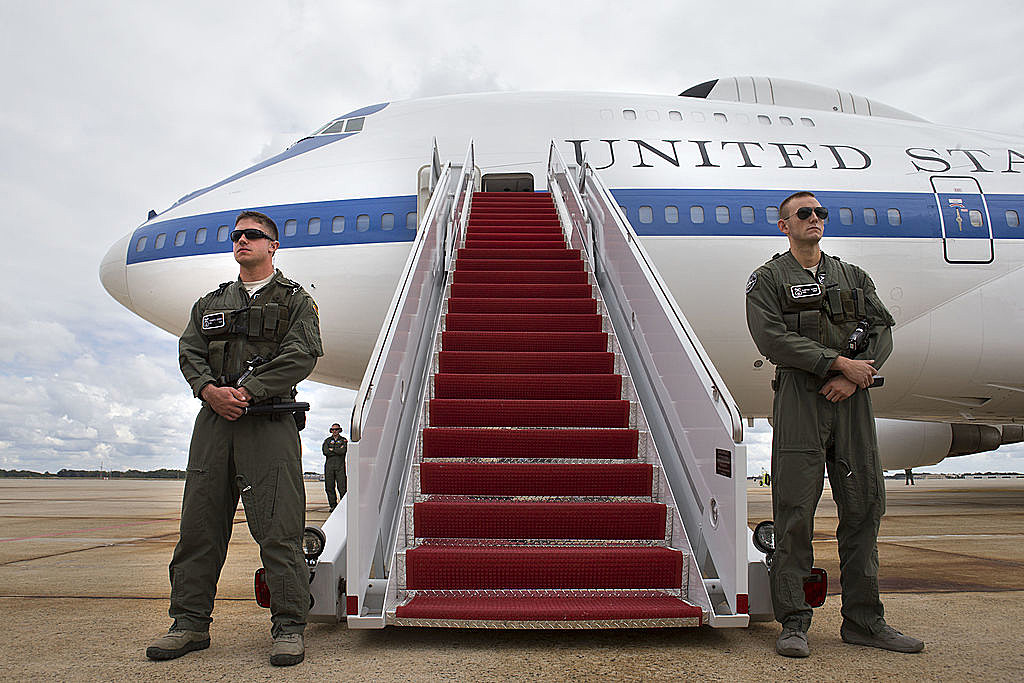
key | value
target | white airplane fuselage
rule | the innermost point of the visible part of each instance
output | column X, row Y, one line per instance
column 697, row 179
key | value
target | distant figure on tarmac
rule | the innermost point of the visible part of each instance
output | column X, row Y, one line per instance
column 803, row 308
column 909, row 477
column 335, row 448
column 247, row 343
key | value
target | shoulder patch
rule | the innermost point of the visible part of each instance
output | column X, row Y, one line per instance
column 316, row 311
column 752, row 281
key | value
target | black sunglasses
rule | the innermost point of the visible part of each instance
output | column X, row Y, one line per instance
column 804, row 212
column 250, row 234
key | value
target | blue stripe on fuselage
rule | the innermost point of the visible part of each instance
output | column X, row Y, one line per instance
column 918, row 218
column 218, row 224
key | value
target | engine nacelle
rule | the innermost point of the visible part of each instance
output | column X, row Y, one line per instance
column 905, row 444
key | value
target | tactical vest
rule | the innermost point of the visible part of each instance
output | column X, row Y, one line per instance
column 253, row 331
column 826, row 311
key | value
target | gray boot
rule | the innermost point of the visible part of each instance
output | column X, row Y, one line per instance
column 288, row 649
column 885, row 638
column 792, row 642
column 176, row 643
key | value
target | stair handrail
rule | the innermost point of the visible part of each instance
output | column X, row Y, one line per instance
column 387, row 405
column 697, row 428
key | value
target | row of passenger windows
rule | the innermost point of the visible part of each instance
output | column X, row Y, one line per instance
column 771, row 215
column 701, row 117
column 290, row 229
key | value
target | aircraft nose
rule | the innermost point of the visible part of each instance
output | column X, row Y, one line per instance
column 114, row 271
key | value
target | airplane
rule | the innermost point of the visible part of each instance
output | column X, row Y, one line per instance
column 932, row 212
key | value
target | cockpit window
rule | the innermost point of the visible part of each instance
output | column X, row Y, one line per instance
column 336, row 127
column 354, row 125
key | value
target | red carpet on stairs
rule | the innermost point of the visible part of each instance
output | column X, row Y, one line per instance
column 530, row 488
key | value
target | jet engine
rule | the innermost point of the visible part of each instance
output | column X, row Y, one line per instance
column 905, row 444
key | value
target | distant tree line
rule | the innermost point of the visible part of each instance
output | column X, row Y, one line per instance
column 95, row 474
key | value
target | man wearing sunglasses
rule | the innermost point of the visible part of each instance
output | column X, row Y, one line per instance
column 249, row 342
column 335, row 480
column 802, row 308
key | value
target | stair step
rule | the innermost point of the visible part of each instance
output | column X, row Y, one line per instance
column 472, row 567
column 582, row 444
column 541, row 231
column 527, row 386
column 536, row 479
column 526, row 362
column 523, row 277
column 519, row 254
column 518, row 263
column 539, row 520
column 526, row 291
column 521, row 305
column 523, row 322
column 476, row 412
column 524, row 341
column 473, row 243
column 552, row 610
column 480, row 235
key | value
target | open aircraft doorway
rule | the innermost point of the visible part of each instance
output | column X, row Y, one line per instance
column 966, row 227
column 508, row 182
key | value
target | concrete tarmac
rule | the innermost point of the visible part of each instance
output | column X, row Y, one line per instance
column 84, row 588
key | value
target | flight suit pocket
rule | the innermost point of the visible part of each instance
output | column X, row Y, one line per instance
column 848, row 490
column 196, row 500
column 259, row 503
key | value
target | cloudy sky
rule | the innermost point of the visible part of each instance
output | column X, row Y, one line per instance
column 113, row 108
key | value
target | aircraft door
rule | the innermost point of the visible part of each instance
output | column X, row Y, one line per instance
column 963, row 212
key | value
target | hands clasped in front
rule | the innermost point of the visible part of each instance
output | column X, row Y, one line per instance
column 228, row 402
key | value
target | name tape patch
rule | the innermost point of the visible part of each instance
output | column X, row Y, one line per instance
column 212, row 321
column 804, row 291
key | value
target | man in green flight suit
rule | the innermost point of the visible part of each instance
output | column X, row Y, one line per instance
column 335, row 447
column 802, row 307
column 248, row 343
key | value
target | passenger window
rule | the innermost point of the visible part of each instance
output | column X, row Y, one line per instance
column 410, row 220
column 894, row 216
column 313, row 226
column 976, row 219
column 179, row 238
column 870, row 217
column 1012, row 218
column 696, row 214
column 354, row 125
column 846, row 216
column 652, row 115
column 338, row 224
column 387, row 221
column 336, row 127
column 607, row 115
column 671, row 214
column 629, row 114
column 222, row 233
column 764, row 120
column 747, row 214
column 771, row 214
column 741, row 118
column 160, row 239
column 675, row 116
column 807, row 122
column 722, row 214
column 646, row 214
column 141, row 244
column 362, row 222
column 201, row 236
column 291, row 226
column 699, row 117
column 785, row 120
column 720, row 118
